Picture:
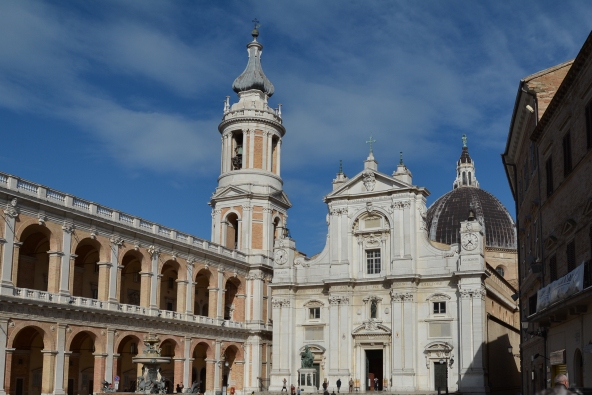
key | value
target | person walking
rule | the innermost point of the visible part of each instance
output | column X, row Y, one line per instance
column 561, row 387
column 351, row 384
column 375, row 383
column 293, row 389
column 298, row 391
column 284, row 388
column 338, row 385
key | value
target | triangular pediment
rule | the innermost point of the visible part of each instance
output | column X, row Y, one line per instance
column 368, row 182
column 229, row 191
column 281, row 197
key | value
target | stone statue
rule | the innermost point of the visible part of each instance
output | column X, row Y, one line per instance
column 194, row 388
column 307, row 358
column 141, row 386
column 373, row 308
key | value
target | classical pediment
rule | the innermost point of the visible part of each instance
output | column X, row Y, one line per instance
column 368, row 182
column 229, row 191
column 281, row 197
column 371, row 327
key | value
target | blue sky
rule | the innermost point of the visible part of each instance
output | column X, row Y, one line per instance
column 118, row 102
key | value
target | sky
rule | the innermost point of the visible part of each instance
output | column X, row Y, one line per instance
column 118, row 102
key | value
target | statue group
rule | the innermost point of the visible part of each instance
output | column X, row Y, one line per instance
column 307, row 358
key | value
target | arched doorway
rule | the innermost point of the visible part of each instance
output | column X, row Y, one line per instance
column 232, row 231
column 86, row 270
column 231, row 372
column 201, row 300
column 26, row 372
column 199, row 367
column 126, row 369
column 578, row 379
column 81, row 369
column 131, row 281
column 33, row 261
column 168, row 286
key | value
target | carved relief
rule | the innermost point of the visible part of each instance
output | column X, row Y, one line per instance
column 68, row 227
column 11, row 210
column 369, row 180
column 338, row 299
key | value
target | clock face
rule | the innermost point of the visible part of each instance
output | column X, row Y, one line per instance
column 469, row 241
column 281, row 257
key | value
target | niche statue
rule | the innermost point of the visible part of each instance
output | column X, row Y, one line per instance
column 307, row 358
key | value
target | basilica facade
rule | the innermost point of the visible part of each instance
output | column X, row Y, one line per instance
column 402, row 297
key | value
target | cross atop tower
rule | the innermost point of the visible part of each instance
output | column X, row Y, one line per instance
column 371, row 141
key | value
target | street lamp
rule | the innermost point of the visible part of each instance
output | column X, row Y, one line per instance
column 510, row 351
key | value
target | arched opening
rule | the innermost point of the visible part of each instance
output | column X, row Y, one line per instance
column 276, row 228
column 578, row 369
column 470, row 182
column 86, row 270
column 81, row 369
column 233, row 302
column 501, row 270
column 464, row 178
column 126, row 370
column 231, row 372
column 201, row 301
column 237, row 150
column 232, row 231
column 168, row 286
column 167, row 349
column 26, row 373
column 131, row 280
column 199, row 368
column 33, row 261
column 274, row 154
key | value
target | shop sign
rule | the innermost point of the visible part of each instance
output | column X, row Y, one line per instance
column 570, row 284
column 557, row 357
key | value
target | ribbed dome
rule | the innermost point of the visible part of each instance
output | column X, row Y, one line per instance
column 444, row 217
column 253, row 77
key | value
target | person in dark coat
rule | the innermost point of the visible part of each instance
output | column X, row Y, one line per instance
column 338, row 385
column 561, row 387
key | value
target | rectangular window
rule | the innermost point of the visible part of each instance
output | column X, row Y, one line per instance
column 571, row 255
column 439, row 307
column 171, row 282
column 589, row 125
column 314, row 313
column 567, row 167
column 373, row 261
column 553, row 268
column 439, row 329
column 313, row 333
column 532, row 302
column 549, row 174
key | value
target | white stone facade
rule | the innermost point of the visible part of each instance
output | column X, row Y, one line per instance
column 381, row 299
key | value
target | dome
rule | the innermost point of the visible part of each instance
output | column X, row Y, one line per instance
column 444, row 216
column 253, row 77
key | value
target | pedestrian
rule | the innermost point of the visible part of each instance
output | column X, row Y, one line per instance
column 284, row 387
column 351, row 384
column 375, row 383
column 338, row 385
column 561, row 387
column 325, row 385
column 179, row 389
column 293, row 389
column 298, row 391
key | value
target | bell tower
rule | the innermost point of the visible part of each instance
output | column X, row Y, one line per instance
column 249, row 206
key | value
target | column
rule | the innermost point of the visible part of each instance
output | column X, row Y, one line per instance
column 145, row 288
column 109, row 374
column 211, row 376
column 67, row 355
column 334, row 236
column 408, row 230
column 4, row 363
column 286, row 336
column 7, row 373
column 334, row 334
column 99, row 371
column 256, row 357
column 53, row 272
column 59, row 359
column 189, row 295
column 217, row 376
column 179, row 371
column 257, row 296
column 264, row 150
column 397, row 338
column 114, row 275
column 344, row 338
column 187, row 363
column 154, row 281
column 15, row 260
column 269, row 152
column 104, row 269
column 251, row 136
column 344, row 237
column 238, row 370
column 278, row 157
column 115, row 367
column 48, row 375
column 221, row 299
column 65, row 261
column 8, row 249
column 465, row 336
column 361, row 260
column 213, row 302
column 478, row 328
column 409, row 335
column 181, row 296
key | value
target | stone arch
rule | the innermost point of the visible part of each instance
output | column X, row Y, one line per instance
column 35, row 268
column 48, row 341
column 233, row 373
column 51, row 231
column 234, row 299
column 501, row 270
column 236, row 349
column 120, row 336
column 202, row 303
column 231, row 229
column 95, row 334
column 438, row 296
column 127, row 250
column 178, row 350
column 206, row 344
column 101, row 244
column 84, row 277
column 202, row 370
column 82, row 361
column 277, row 223
column 364, row 213
column 168, row 287
column 29, row 343
column 126, row 369
column 130, row 284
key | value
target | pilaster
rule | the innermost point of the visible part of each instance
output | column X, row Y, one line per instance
column 3, row 352
column 11, row 213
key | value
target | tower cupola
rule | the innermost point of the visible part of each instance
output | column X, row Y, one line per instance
column 465, row 169
column 253, row 77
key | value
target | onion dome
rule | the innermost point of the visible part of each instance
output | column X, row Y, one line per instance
column 444, row 216
column 253, row 77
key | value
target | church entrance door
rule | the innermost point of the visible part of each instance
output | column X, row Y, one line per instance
column 374, row 366
column 440, row 376
column 317, row 367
